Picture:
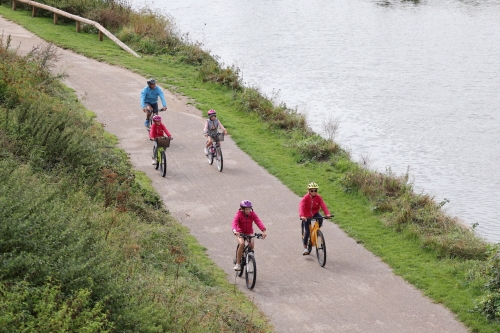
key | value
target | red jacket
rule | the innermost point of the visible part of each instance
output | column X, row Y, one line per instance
column 244, row 224
column 157, row 131
column 309, row 206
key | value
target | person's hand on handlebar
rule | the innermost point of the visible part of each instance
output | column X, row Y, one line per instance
column 264, row 234
column 163, row 108
column 303, row 218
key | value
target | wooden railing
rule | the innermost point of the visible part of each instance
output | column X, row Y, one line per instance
column 78, row 20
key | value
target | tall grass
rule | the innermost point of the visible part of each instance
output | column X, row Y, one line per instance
column 84, row 245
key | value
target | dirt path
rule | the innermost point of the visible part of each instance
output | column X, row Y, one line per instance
column 354, row 292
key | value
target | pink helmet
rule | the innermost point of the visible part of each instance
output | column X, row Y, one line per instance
column 211, row 112
column 156, row 118
column 245, row 204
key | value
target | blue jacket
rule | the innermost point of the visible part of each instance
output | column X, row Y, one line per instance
column 150, row 96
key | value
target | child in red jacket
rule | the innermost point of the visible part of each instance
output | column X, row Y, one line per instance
column 243, row 224
column 157, row 130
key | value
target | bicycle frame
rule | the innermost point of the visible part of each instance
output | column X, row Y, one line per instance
column 313, row 231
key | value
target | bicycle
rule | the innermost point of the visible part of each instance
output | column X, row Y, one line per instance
column 214, row 151
column 316, row 238
column 160, row 145
column 247, row 261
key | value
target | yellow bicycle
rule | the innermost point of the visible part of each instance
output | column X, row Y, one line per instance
column 316, row 238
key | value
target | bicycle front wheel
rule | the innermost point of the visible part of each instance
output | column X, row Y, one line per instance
column 219, row 159
column 210, row 156
column 251, row 271
column 242, row 262
column 155, row 151
column 320, row 248
column 163, row 163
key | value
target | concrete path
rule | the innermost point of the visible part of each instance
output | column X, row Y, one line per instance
column 354, row 292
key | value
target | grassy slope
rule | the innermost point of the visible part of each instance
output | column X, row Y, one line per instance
column 442, row 280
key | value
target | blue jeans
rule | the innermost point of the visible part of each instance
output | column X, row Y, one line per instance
column 307, row 223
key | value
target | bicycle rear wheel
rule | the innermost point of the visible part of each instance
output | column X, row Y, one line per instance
column 163, row 163
column 240, row 272
column 251, row 271
column 219, row 159
column 210, row 156
column 320, row 248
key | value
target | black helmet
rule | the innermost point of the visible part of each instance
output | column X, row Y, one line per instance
column 151, row 81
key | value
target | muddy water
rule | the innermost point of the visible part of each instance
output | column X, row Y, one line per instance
column 413, row 83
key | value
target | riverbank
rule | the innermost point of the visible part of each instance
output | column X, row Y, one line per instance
column 353, row 211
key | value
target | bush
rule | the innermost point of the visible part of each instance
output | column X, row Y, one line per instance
column 28, row 308
column 489, row 303
column 316, row 148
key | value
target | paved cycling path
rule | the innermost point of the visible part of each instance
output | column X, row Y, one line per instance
column 354, row 292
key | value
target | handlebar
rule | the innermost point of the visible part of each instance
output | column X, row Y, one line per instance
column 159, row 110
column 317, row 218
column 256, row 235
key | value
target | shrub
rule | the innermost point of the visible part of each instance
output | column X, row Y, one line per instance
column 45, row 308
column 489, row 303
column 316, row 148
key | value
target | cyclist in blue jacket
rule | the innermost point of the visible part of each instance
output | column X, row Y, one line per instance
column 149, row 100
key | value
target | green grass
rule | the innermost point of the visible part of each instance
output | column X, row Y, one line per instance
column 454, row 283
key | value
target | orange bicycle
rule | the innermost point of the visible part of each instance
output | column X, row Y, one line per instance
column 316, row 238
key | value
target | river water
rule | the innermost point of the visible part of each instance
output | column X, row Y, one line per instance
column 412, row 83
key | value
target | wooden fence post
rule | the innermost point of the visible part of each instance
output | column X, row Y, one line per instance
column 14, row 5
column 33, row 11
column 78, row 27
column 100, row 35
column 55, row 18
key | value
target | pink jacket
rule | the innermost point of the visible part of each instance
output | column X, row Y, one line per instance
column 157, row 131
column 309, row 206
column 244, row 224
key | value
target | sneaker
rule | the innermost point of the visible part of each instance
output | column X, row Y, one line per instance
column 305, row 252
column 146, row 123
column 153, row 162
column 237, row 267
column 206, row 151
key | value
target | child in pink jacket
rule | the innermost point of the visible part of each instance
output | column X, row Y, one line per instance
column 157, row 130
column 243, row 224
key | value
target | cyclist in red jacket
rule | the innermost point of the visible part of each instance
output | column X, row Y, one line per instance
column 309, row 207
column 157, row 130
column 243, row 224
